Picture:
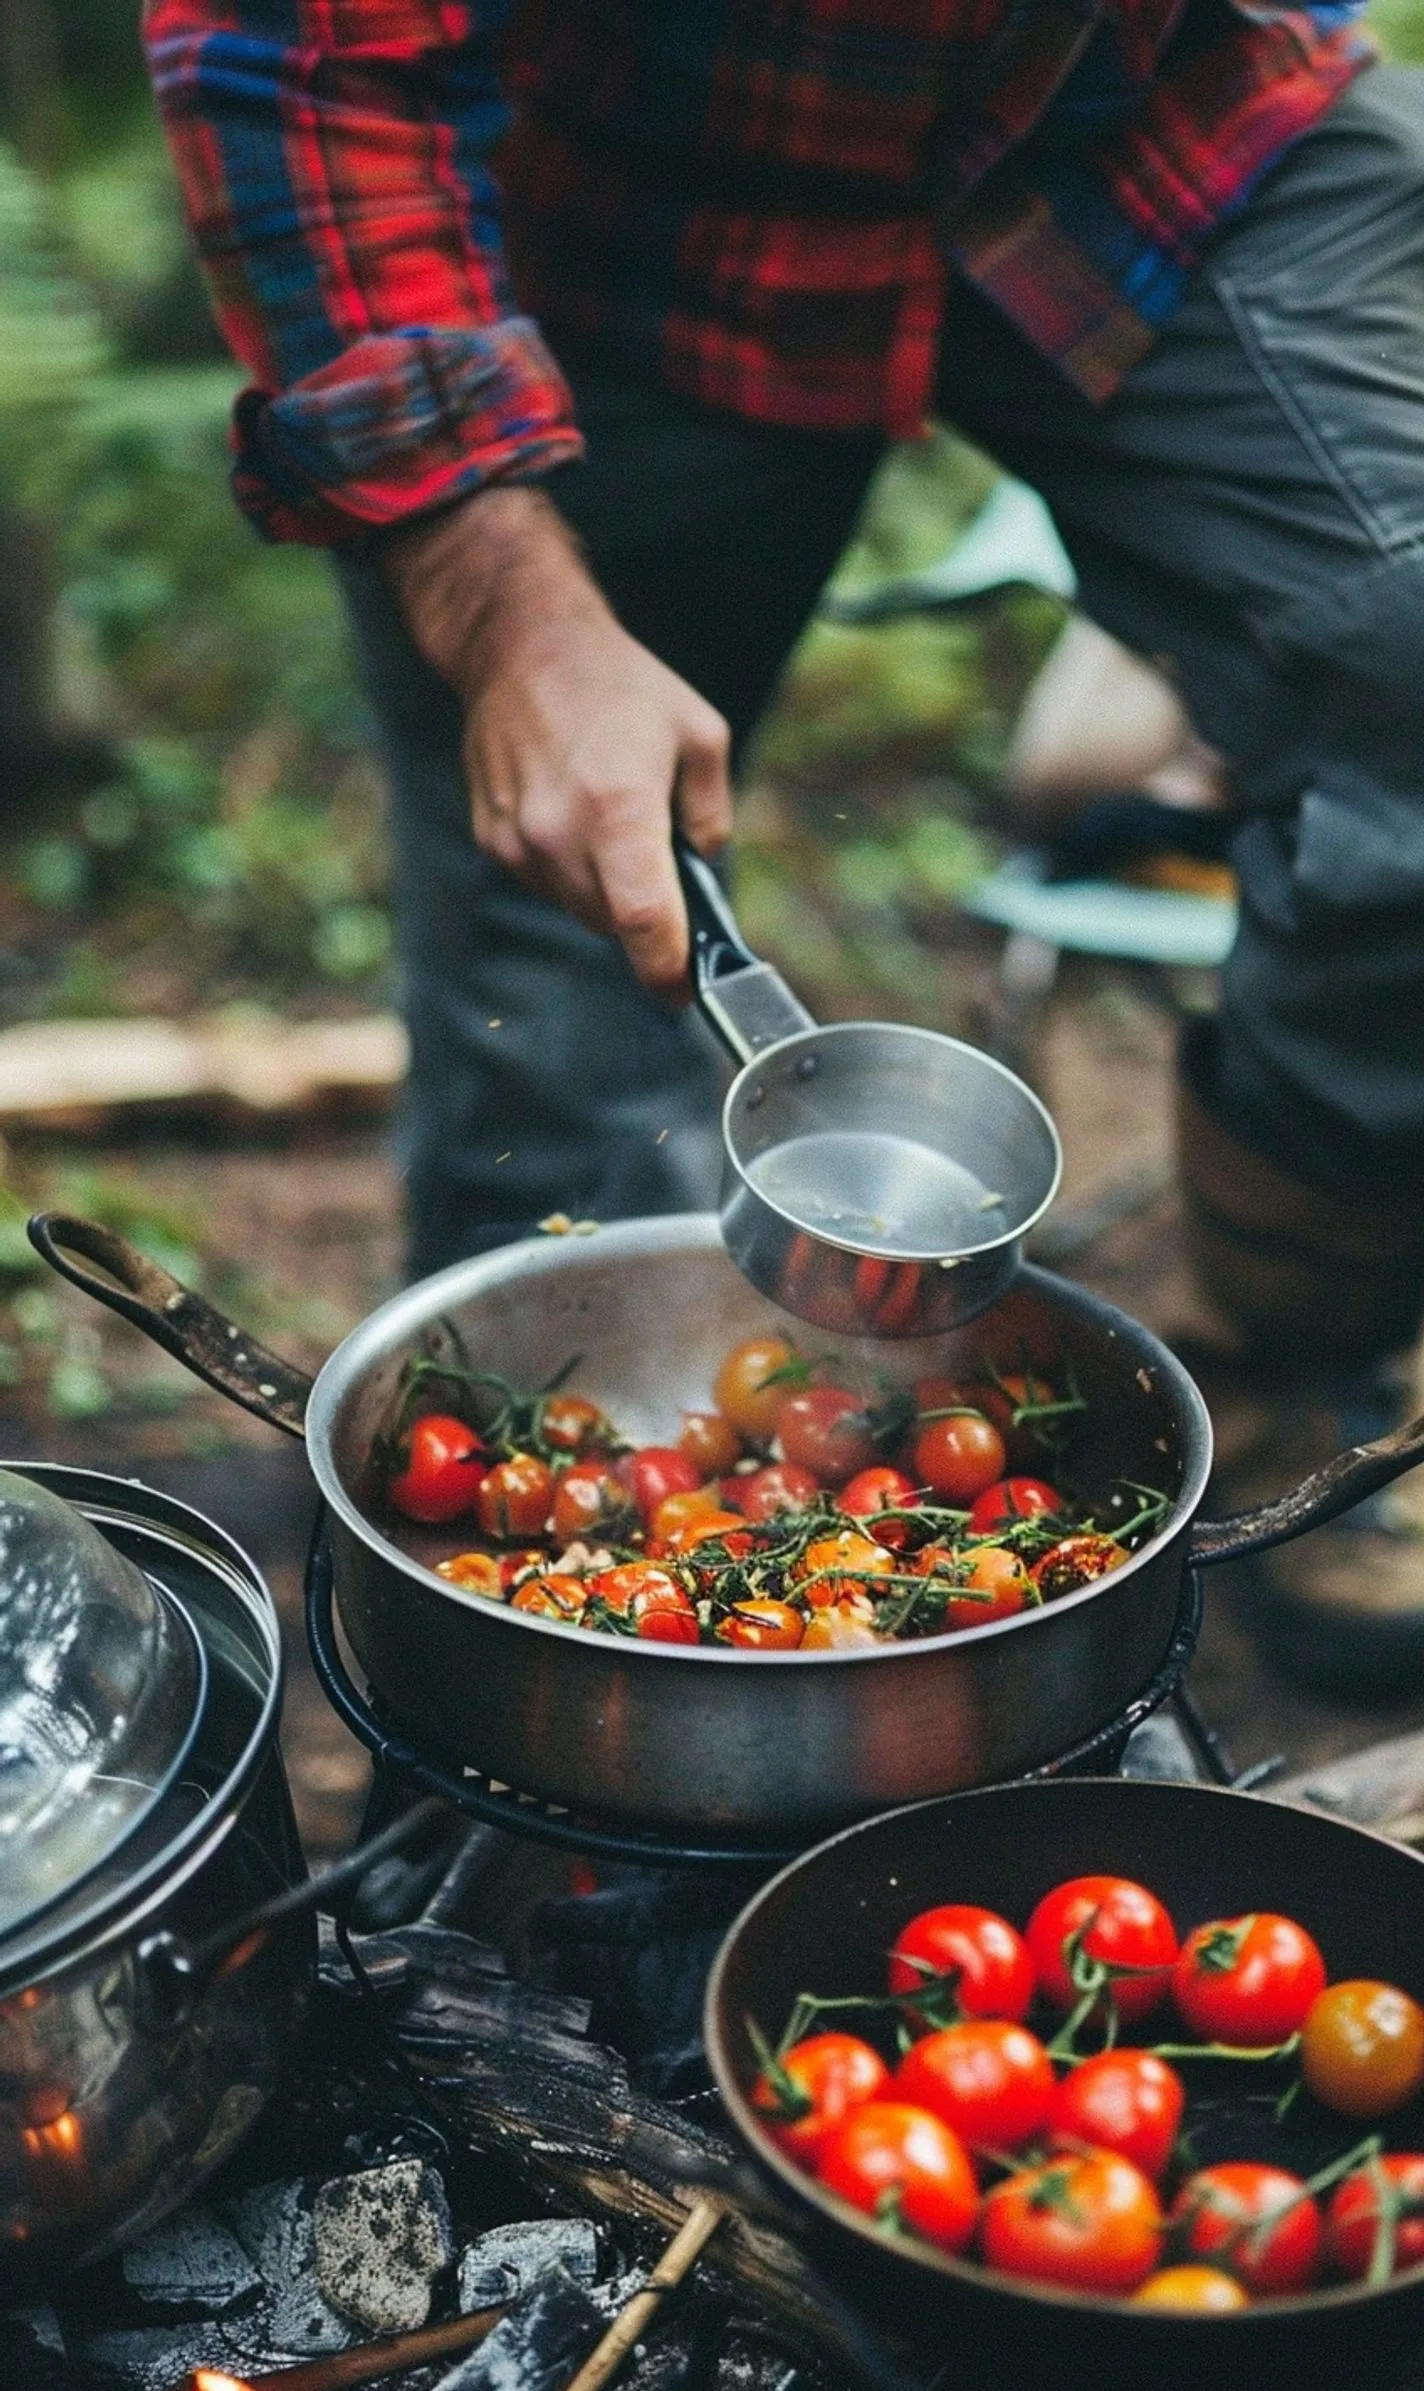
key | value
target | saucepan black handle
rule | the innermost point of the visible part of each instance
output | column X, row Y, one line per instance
column 744, row 1000
column 171, row 1973
column 717, row 942
column 1350, row 1478
column 184, row 1324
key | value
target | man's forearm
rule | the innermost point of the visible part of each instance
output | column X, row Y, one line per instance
column 498, row 566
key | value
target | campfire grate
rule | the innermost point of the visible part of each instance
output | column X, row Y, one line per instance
column 526, row 1814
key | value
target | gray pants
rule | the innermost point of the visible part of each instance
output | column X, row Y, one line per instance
column 1250, row 506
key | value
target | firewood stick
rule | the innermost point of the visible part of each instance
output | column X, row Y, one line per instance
column 347, row 2367
column 677, row 2260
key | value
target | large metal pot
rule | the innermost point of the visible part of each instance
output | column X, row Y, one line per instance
column 113, row 2108
column 769, row 1746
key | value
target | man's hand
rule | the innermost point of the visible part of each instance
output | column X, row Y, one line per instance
column 577, row 740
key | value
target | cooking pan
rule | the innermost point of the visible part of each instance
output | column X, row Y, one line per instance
column 768, row 1747
column 825, row 1924
column 878, row 1180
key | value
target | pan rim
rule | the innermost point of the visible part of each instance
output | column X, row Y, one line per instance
column 968, row 2273
column 413, row 1307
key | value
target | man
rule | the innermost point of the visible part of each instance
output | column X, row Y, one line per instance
column 1165, row 258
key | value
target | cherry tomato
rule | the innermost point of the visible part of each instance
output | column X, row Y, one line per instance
column 887, row 1294
column 988, row 2078
column 1121, row 1923
column 445, row 1467
column 900, row 2163
column 824, row 1430
column 1122, row 2100
column 874, row 1490
column 1076, row 1561
column 762, row 1624
column 858, row 1556
column 589, row 1502
column 570, row 1423
column 750, row 1389
column 710, row 1443
column 995, row 1573
column 957, row 1457
column 551, row 1597
column 1362, row 2048
column 661, row 1624
column 515, row 1566
column 1192, row 2291
column 842, row 1627
column 1247, row 1981
column 723, row 1527
column 478, row 1572
column 656, row 1471
column 633, row 1587
column 781, row 1486
column 945, row 1394
column 680, row 1510
column 1091, row 2220
column 1259, row 2220
column 987, row 1958
column 1009, row 1499
column 516, row 1498
column 1353, row 2219
column 813, row 2086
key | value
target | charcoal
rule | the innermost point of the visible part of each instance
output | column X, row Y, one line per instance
column 39, row 2322
column 274, row 2225
column 504, row 2263
column 544, row 2339
column 381, row 2239
column 154, row 2357
column 191, row 2263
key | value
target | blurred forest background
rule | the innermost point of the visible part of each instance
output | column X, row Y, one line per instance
column 192, row 821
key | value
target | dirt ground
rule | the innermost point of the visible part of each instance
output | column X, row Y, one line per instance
column 308, row 1233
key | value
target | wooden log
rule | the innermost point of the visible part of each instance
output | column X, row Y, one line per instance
column 1380, row 1787
column 243, row 1063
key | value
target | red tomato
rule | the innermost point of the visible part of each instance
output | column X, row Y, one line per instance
column 824, row 1430
column 1089, row 2220
column 589, row 1502
column 1076, row 1561
column 986, row 1958
column 477, row 1572
column 445, row 1467
column 516, row 1498
column 1353, row 2219
column 995, row 1585
column 635, row 1587
column 710, row 1443
column 678, row 1510
column 1260, row 2221
column 901, row 2164
column 514, row 1566
column 957, row 1457
column 661, row 1624
column 781, row 1486
column 859, row 1556
column 762, row 1624
column 725, row 1527
column 570, row 1422
column 1009, row 1499
column 1121, row 1924
column 751, row 1388
column 1122, row 2100
column 1362, row 2048
column 1247, row 1980
column 989, row 2079
column 656, row 1471
column 874, row 1490
column 812, row 2087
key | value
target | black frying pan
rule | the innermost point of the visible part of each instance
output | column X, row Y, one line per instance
column 825, row 1924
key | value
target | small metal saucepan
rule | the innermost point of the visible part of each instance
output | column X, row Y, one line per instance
column 762, row 1747
column 878, row 1180
column 825, row 1924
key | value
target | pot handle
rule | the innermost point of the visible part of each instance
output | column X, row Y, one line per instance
column 746, row 1001
column 171, row 1973
column 1349, row 1479
column 184, row 1324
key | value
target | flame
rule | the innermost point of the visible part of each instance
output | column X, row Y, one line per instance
column 206, row 2378
column 61, row 2137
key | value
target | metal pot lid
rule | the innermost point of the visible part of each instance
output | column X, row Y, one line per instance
column 102, row 1685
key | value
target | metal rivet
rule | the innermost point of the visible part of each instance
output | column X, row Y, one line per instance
column 807, row 1066
column 755, row 1097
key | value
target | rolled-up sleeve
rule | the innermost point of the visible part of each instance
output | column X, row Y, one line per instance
column 333, row 157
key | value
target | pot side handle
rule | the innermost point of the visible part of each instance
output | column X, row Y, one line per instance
column 171, row 1315
column 1349, row 1479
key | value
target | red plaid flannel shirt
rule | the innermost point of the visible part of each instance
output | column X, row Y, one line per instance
column 763, row 203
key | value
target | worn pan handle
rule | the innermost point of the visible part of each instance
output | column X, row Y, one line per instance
column 192, row 1330
column 1349, row 1479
